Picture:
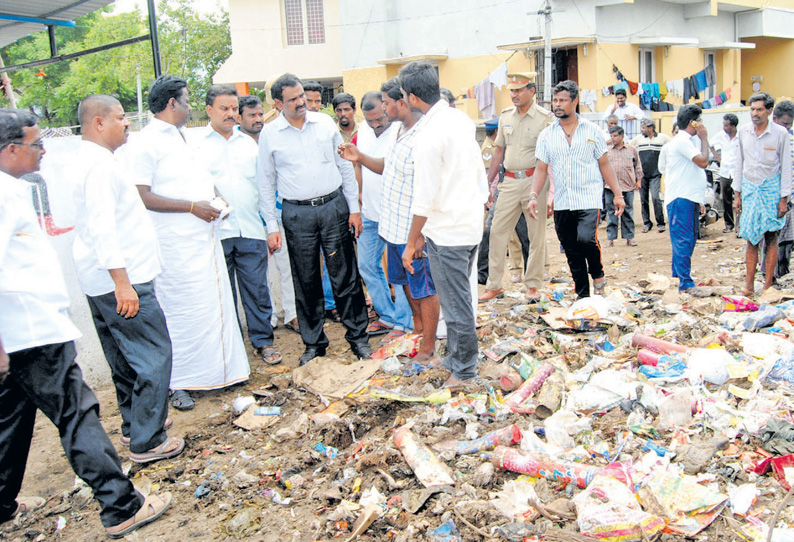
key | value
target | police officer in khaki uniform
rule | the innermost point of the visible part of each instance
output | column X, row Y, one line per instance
column 519, row 128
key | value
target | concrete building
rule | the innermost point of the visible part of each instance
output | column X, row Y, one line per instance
column 768, row 65
column 271, row 37
column 647, row 40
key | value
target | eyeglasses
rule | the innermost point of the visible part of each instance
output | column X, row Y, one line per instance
column 37, row 144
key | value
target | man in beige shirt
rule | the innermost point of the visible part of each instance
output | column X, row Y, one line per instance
column 519, row 128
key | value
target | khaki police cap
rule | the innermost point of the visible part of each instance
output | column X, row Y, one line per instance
column 269, row 83
column 519, row 80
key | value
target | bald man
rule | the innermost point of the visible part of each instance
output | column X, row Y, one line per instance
column 116, row 257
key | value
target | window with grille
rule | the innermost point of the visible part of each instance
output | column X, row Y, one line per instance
column 293, row 13
column 315, row 21
column 310, row 11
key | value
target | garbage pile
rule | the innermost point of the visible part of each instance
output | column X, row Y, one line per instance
column 631, row 417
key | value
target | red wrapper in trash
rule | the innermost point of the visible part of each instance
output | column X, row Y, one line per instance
column 657, row 345
column 428, row 469
column 544, row 466
column 501, row 437
column 779, row 466
column 648, row 357
column 529, row 387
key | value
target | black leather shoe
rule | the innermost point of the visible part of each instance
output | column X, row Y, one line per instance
column 310, row 353
column 362, row 351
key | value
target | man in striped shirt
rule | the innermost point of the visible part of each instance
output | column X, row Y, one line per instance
column 626, row 162
column 649, row 145
column 397, row 170
column 576, row 152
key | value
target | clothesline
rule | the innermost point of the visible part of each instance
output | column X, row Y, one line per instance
column 652, row 95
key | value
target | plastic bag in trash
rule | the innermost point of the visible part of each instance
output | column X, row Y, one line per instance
column 764, row 317
column 710, row 365
column 608, row 510
column 589, row 308
column 446, row 532
column 513, row 501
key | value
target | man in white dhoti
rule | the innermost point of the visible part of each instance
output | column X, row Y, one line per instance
column 193, row 288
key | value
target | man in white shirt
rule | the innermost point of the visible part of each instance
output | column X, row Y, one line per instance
column 723, row 147
column 784, row 116
column 685, row 192
column 628, row 114
column 193, row 288
column 450, row 191
column 231, row 159
column 37, row 354
column 252, row 119
column 116, row 258
column 375, row 138
column 397, row 170
column 298, row 157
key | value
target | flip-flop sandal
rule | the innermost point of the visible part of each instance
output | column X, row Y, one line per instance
column 598, row 287
column 125, row 441
column 26, row 505
column 378, row 328
column 455, row 385
column 166, row 450
column 270, row 355
column 181, row 400
column 434, row 363
column 293, row 327
column 153, row 507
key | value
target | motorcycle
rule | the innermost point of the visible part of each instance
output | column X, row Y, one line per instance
column 713, row 199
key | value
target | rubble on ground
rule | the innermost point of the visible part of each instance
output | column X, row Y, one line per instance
column 640, row 415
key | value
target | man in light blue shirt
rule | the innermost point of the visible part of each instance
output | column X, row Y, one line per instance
column 231, row 157
column 298, row 157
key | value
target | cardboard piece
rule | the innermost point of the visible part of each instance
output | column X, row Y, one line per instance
column 250, row 421
column 334, row 379
column 555, row 318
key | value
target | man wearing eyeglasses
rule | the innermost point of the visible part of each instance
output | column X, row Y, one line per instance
column 375, row 138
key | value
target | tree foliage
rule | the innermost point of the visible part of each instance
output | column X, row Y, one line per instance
column 192, row 45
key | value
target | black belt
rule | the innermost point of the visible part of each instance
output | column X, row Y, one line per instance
column 315, row 202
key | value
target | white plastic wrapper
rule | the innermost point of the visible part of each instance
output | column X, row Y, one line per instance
column 709, row 365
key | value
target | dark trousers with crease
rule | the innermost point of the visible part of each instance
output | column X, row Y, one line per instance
column 310, row 229
column 246, row 261
column 47, row 378
column 651, row 186
column 577, row 232
column 138, row 351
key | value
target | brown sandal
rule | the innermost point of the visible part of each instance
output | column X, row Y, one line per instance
column 153, row 507
column 171, row 447
column 125, row 441
column 270, row 355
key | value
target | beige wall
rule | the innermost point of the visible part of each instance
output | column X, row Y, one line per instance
column 595, row 72
column 772, row 58
column 458, row 75
column 260, row 50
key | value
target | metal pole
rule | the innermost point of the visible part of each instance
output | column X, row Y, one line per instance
column 53, row 45
column 158, row 71
column 140, row 94
column 547, row 53
column 6, row 82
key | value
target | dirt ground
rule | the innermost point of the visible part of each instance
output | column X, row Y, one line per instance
column 244, row 508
